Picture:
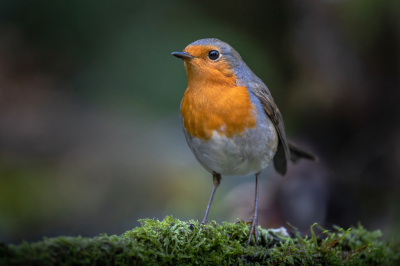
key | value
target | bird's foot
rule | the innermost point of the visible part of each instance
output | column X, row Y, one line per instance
column 253, row 230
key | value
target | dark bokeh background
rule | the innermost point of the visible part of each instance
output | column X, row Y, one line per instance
column 90, row 137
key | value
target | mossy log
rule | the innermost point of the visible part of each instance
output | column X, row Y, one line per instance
column 174, row 242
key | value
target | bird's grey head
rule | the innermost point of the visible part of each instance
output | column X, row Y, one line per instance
column 212, row 53
column 226, row 51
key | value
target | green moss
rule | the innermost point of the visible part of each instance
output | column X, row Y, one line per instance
column 174, row 242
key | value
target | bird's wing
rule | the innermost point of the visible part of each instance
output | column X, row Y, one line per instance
column 282, row 155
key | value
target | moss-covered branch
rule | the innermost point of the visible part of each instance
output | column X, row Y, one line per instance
column 173, row 242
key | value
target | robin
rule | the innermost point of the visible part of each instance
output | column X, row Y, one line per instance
column 230, row 120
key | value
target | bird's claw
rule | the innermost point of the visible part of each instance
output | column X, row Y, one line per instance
column 253, row 230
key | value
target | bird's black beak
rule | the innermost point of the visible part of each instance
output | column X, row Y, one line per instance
column 182, row 55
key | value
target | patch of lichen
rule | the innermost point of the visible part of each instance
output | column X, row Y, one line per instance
column 174, row 242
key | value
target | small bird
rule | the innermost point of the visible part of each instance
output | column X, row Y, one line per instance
column 230, row 120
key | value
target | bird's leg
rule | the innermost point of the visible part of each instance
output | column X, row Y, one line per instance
column 254, row 223
column 217, row 181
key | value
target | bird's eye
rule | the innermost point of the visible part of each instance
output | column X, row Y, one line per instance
column 213, row 55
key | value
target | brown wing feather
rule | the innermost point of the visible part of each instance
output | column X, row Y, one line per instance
column 282, row 155
column 286, row 151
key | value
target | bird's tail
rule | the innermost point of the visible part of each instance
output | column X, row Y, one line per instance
column 296, row 153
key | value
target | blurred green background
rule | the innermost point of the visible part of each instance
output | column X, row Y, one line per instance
column 90, row 136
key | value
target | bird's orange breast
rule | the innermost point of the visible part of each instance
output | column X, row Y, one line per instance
column 220, row 107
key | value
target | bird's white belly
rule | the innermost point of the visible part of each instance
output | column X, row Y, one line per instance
column 246, row 154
